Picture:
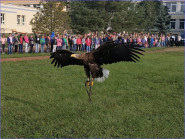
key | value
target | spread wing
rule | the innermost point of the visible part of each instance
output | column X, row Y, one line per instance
column 111, row 52
column 62, row 58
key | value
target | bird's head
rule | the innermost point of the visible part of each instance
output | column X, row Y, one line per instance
column 74, row 55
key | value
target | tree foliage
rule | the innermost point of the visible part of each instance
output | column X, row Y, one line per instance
column 150, row 13
column 51, row 18
column 102, row 15
column 91, row 16
column 86, row 16
column 156, row 16
column 162, row 22
column 128, row 17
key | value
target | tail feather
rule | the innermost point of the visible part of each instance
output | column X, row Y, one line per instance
column 105, row 75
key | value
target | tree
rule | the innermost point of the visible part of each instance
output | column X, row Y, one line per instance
column 162, row 22
column 86, row 16
column 151, row 9
column 128, row 17
column 103, row 15
column 51, row 18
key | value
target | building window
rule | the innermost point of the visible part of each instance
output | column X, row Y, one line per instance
column 23, row 19
column 168, row 4
column 173, row 6
column 18, row 19
column 181, row 24
column 172, row 23
column 182, row 7
column 2, row 18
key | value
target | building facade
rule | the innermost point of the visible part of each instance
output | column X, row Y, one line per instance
column 16, row 18
column 28, row 3
column 177, row 11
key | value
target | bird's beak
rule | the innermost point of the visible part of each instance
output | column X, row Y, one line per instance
column 73, row 55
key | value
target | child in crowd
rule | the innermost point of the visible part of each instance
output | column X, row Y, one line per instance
column 26, row 39
column 42, row 42
column 59, row 43
column 20, row 43
column 3, row 42
column 10, row 44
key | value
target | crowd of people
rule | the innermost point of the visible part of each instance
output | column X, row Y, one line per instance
column 86, row 42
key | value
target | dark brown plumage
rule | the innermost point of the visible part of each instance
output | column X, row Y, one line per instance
column 107, row 53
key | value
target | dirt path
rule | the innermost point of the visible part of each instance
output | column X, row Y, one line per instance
column 47, row 57
column 24, row 58
column 167, row 50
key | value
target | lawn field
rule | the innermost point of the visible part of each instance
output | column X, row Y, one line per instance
column 138, row 100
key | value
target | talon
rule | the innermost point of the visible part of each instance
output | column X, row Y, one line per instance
column 87, row 83
column 92, row 83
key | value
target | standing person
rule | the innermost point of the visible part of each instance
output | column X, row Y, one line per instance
column 59, row 43
column 54, row 43
column 139, row 40
column 65, row 43
column 158, row 41
column 74, row 43
column 20, row 43
column 52, row 40
column 176, row 40
column 42, row 42
column 16, row 41
column 93, row 40
column 163, row 41
column 3, row 42
column 143, row 41
column 166, row 41
column 88, row 43
column 100, row 40
column 179, row 40
column 10, row 44
column 104, row 38
column 152, row 41
column 148, row 41
column 70, row 43
column 31, row 43
column 47, row 43
column 96, row 42
column 83, row 44
column 79, row 43
column 134, row 40
column 172, row 40
column 37, row 43
column 26, row 39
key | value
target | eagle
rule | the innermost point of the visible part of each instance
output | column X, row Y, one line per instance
column 107, row 53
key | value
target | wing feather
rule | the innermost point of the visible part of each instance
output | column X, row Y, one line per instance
column 62, row 58
column 111, row 52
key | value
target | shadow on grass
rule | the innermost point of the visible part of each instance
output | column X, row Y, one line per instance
column 34, row 106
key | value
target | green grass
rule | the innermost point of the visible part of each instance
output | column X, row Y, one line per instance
column 138, row 100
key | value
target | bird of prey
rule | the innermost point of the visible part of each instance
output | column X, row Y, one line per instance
column 107, row 53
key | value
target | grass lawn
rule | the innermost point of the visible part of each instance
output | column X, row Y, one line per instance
column 138, row 100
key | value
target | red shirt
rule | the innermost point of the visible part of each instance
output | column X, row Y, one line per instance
column 79, row 41
column 21, row 40
column 88, row 42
